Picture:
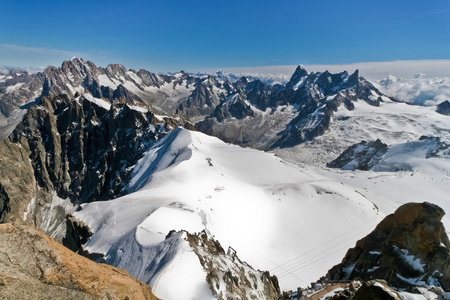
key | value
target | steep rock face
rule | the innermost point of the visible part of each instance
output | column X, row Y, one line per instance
column 33, row 266
column 82, row 149
column 17, row 182
column 229, row 277
column 444, row 108
column 408, row 248
column 18, row 89
column 204, row 98
column 362, row 156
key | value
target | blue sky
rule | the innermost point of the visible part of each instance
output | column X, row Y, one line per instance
column 172, row 35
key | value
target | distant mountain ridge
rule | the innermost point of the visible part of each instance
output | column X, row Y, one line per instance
column 246, row 111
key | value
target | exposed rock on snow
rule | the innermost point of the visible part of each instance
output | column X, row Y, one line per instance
column 378, row 156
column 362, row 156
column 376, row 290
column 33, row 266
column 408, row 248
column 444, row 108
column 229, row 277
column 190, row 181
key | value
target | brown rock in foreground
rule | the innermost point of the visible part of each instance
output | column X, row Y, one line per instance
column 33, row 266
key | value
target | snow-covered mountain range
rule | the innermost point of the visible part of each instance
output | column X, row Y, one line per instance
column 116, row 149
column 280, row 115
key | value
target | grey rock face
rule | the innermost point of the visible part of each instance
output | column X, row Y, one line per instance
column 378, row 156
column 204, row 98
column 444, row 108
column 362, row 156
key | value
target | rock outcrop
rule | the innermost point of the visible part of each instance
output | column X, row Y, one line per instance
column 376, row 290
column 378, row 156
column 33, row 266
column 227, row 276
column 362, row 156
column 444, row 108
column 408, row 248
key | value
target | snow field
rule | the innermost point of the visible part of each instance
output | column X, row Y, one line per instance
column 277, row 216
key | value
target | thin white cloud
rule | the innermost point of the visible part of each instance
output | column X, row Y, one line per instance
column 34, row 50
column 25, row 57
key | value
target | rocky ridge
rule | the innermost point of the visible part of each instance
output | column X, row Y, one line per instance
column 229, row 277
column 33, row 266
column 362, row 156
column 76, row 149
column 247, row 111
column 285, row 116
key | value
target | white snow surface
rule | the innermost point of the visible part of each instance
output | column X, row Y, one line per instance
column 278, row 217
column 100, row 102
column 184, row 277
column 13, row 88
column 399, row 125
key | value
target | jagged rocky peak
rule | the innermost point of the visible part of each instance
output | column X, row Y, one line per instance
column 408, row 248
column 79, row 67
column 15, row 76
column 116, row 69
column 444, row 108
column 299, row 74
column 235, row 107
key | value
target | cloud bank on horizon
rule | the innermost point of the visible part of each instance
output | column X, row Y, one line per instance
column 371, row 70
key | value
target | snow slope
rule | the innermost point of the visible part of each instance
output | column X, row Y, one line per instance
column 278, row 217
column 392, row 123
column 419, row 177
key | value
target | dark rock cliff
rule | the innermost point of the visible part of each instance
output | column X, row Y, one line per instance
column 77, row 148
